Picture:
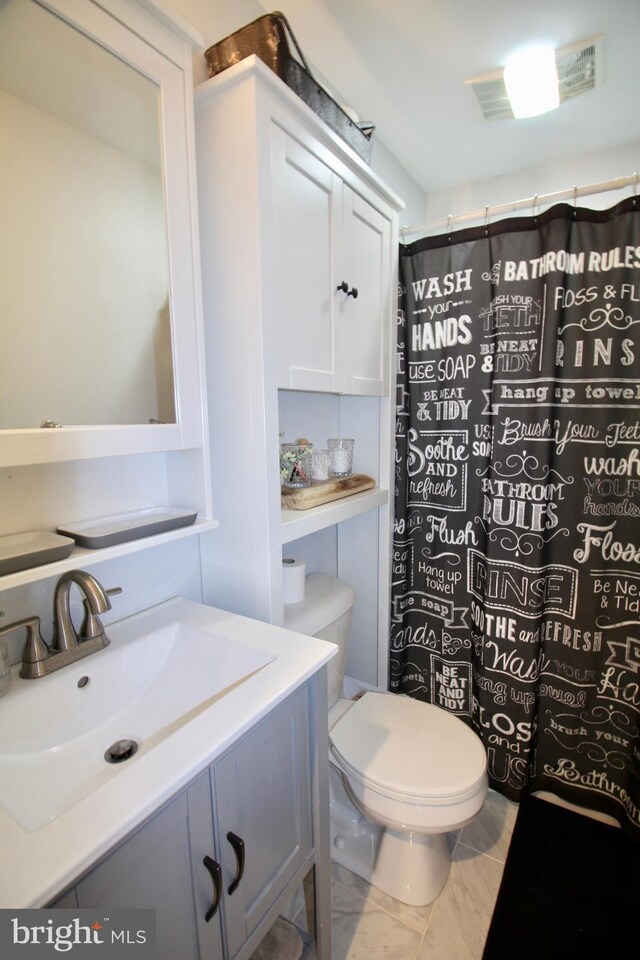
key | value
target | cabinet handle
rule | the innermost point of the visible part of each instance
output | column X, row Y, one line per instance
column 215, row 871
column 238, row 848
column 344, row 286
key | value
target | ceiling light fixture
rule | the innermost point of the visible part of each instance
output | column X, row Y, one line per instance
column 531, row 79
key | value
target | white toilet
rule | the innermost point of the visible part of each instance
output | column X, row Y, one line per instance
column 403, row 773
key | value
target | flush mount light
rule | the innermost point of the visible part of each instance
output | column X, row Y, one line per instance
column 531, row 79
column 579, row 67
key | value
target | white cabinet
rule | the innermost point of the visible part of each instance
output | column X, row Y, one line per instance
column 263, row 817
column 109, row 97
column 332, row 277
column 366, row 266
column 136, row 57
column 288, row 213
column 219, row 861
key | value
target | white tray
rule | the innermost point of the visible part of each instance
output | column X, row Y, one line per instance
column 19, row 551
column 121, row 527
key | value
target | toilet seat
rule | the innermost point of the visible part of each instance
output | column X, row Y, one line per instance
column 409, row 751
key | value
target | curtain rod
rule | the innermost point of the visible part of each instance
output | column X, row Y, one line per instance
column 572, row 193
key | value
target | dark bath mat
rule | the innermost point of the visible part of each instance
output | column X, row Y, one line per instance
column 570, row 889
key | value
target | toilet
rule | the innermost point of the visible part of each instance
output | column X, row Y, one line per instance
column 403, row 773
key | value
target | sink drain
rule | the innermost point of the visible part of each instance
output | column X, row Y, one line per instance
column 120, row 751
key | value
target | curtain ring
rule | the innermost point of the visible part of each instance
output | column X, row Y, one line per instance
column 635, row 187
column 449, row 219
column 486, row 221
column 534, row 204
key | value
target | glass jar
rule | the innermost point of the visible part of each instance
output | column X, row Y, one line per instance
column 295, row 464
column 320, row 465
column 341, row 451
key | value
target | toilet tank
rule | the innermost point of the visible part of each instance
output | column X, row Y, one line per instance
column 325, row 612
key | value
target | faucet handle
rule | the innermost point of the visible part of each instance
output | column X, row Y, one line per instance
column 92, row 625
column 35, row 649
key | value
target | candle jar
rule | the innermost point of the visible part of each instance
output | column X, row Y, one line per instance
column 341, row 451
column 294, row 464
column 320, row 465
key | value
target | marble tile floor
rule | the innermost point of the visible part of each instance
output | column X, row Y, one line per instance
column 369, row 925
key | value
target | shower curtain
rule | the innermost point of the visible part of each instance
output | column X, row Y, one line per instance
column 516, row 554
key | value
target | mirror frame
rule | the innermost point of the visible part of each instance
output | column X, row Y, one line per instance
column 165, row 60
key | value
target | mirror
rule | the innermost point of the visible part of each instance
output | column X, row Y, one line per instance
column 85, row 334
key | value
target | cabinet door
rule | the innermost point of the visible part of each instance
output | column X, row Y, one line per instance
column 263, row 797
column 160, row 867
column 366, row 318
column 307, row 212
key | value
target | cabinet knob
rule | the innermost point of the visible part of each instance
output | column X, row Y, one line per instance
column 215, row 871
column 238, row 848
column 344, row 286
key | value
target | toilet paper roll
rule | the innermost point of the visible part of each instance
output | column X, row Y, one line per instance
column 293, row 574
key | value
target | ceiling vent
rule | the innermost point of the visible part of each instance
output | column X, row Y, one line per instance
column 579, row 70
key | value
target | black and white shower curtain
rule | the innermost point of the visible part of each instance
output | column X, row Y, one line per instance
column 516, row 556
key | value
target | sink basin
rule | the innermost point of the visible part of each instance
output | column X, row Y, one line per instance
column 158, row 673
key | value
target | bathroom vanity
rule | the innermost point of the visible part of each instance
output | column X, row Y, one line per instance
column 217, row 819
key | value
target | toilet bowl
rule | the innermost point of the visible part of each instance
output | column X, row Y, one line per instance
column 403, row 773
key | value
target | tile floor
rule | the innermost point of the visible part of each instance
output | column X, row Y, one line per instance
column 369, row 925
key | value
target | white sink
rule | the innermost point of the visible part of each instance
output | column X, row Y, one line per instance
column 158, row 673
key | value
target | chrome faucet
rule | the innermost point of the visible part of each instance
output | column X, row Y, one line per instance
column 67, row 646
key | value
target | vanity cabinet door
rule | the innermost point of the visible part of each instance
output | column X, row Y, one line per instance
column 161, row 867
column 306, row 207
column 263, row 798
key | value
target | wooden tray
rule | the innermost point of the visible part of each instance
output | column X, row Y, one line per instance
column 303, row 498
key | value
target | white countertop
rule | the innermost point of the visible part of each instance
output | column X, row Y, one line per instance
column 37, row 865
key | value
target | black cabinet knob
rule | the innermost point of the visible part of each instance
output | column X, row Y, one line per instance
column 344, row 286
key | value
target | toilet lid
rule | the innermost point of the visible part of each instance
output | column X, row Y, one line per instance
column 408, row 749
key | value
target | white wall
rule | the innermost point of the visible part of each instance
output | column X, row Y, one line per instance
column 561, row 174
column 390, row 170
column 146, row 578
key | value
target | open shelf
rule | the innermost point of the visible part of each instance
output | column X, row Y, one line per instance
column 299, row 523
column 81, row 557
